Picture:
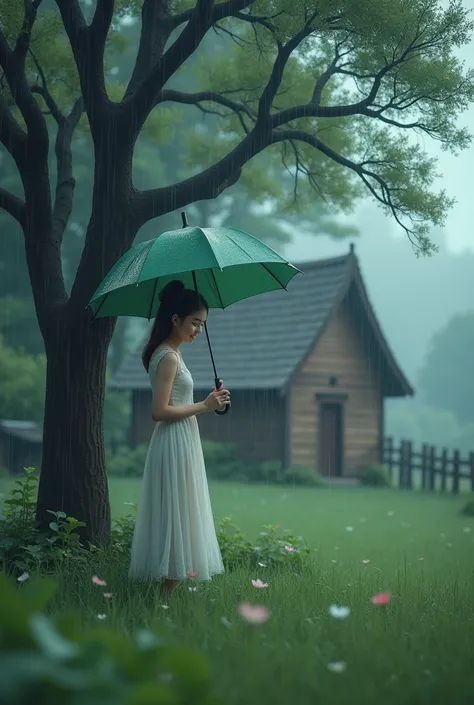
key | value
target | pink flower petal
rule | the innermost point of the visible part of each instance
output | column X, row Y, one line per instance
column 259, row 583
column 191, row 575
column 253, row 614
column 366, row 560
column 289, row 548
column 98, row 581
column 107, row 595
column 383, row 598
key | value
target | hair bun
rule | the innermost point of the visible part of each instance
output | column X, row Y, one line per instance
column 171, row 291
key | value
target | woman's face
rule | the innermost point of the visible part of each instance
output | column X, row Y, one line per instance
column 191, row 326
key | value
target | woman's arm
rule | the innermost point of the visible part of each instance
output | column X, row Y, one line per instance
column 161, row 409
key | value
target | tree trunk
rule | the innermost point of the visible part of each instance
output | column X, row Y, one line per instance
column 73, row 477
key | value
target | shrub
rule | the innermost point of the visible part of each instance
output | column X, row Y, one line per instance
column 274, row 547
column 128, row 462
column 23, row 547
column 57, row 660
column 374, row 476
column 303, row 476
column 468, row 509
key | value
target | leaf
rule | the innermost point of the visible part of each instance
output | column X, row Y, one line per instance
column 152, row 692
column 50, row 641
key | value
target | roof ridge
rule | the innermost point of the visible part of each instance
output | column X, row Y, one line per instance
column 316, row 263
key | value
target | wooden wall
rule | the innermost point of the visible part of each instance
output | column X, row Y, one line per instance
column 255, row 423
column 346, row 350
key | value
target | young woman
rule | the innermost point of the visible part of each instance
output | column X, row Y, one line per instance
column 174, row 531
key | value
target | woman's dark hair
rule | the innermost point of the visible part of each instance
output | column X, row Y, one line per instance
column 175, row 299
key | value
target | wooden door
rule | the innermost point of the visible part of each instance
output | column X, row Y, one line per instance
column 331, row 439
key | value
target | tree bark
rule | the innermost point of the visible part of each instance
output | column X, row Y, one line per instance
column 73, row 477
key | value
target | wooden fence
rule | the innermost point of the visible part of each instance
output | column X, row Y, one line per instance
column 428, row 468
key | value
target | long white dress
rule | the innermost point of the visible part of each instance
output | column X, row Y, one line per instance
column 174, row 530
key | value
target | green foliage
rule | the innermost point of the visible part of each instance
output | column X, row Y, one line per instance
column 22, row 384
column 57, row 660
column 468, row 508
column 23, row 547
column 446, row 381
column 128, row 462
column 375, row 475
column 222, row 463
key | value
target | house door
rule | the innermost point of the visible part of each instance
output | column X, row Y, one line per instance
column 331, row 439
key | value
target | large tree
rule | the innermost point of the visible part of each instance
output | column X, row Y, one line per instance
column 332, row 88
column 446, row 380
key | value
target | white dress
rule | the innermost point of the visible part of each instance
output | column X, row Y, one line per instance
column 174, row 530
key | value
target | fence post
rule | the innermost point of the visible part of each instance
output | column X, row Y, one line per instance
column 401, row 466
column 456, row 466
column 432, row 467
column 409, row 465
column 444, row 469
column 424, row 465
column 388, row 457
column 471, row 468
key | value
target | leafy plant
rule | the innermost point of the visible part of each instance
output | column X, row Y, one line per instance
column 468, row 508
column 56, row 660
column 23, row 547
column 274, row 548
column 374, row 476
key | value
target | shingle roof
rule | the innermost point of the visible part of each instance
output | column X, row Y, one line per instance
column 258, row 343
column 26, row 430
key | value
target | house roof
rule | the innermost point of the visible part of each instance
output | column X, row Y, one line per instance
column 28, row 431
column 251, row 346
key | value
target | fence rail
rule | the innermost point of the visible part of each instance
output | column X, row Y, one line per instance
column 428, row 468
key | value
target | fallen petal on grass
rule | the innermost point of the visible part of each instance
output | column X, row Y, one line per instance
column 97, row 581
column 259, row 583
column 253, row 614
column 108, row 595
column 337, row 666
column 23, row 577
column 101, row 616
column 339, row 612
column 365, row 561
column 289, row 548
column 382, row 598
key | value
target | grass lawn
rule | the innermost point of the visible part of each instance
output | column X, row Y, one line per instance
column 415, row 651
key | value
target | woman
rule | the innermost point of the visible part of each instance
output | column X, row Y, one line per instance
column 174, row 531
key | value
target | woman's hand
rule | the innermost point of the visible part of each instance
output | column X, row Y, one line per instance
column 217, row 399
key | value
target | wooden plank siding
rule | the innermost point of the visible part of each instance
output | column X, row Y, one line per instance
column 343, row 351
column 255, row 423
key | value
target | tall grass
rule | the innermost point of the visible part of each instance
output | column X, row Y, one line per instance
column 416, row 650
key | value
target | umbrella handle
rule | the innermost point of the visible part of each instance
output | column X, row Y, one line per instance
column 221, row 412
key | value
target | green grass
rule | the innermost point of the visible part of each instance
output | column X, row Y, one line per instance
column 416, row 651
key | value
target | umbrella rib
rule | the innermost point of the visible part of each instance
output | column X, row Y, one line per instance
column 152, row 299
column 274, row 277
column 100, row 306
column 217, row 288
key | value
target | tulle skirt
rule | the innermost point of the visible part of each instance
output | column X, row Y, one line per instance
column 174, row 531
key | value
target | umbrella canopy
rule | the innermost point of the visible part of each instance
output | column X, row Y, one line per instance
column 224, row 264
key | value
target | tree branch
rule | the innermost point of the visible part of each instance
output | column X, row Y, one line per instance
column 383, row 196
column 24, row 38
column 88, row 47
column 230, row 8
column 205, row 97
column 199, row 21
column 45, row 93
column 13, row 68
column 12, row 136
column 66, row 182
column 13, row 205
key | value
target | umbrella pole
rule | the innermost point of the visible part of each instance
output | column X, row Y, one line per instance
column 216, row 376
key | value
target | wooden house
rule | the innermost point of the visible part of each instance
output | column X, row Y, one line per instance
column 309, row 370
column 20, row 445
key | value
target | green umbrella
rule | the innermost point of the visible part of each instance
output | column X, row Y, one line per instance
column 225, row 265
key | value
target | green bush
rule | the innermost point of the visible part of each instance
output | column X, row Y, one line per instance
column 128, row 462
column 24, row 549
column 57, row 660
column 374, row 476
column 468, row 509
column 303, row 476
